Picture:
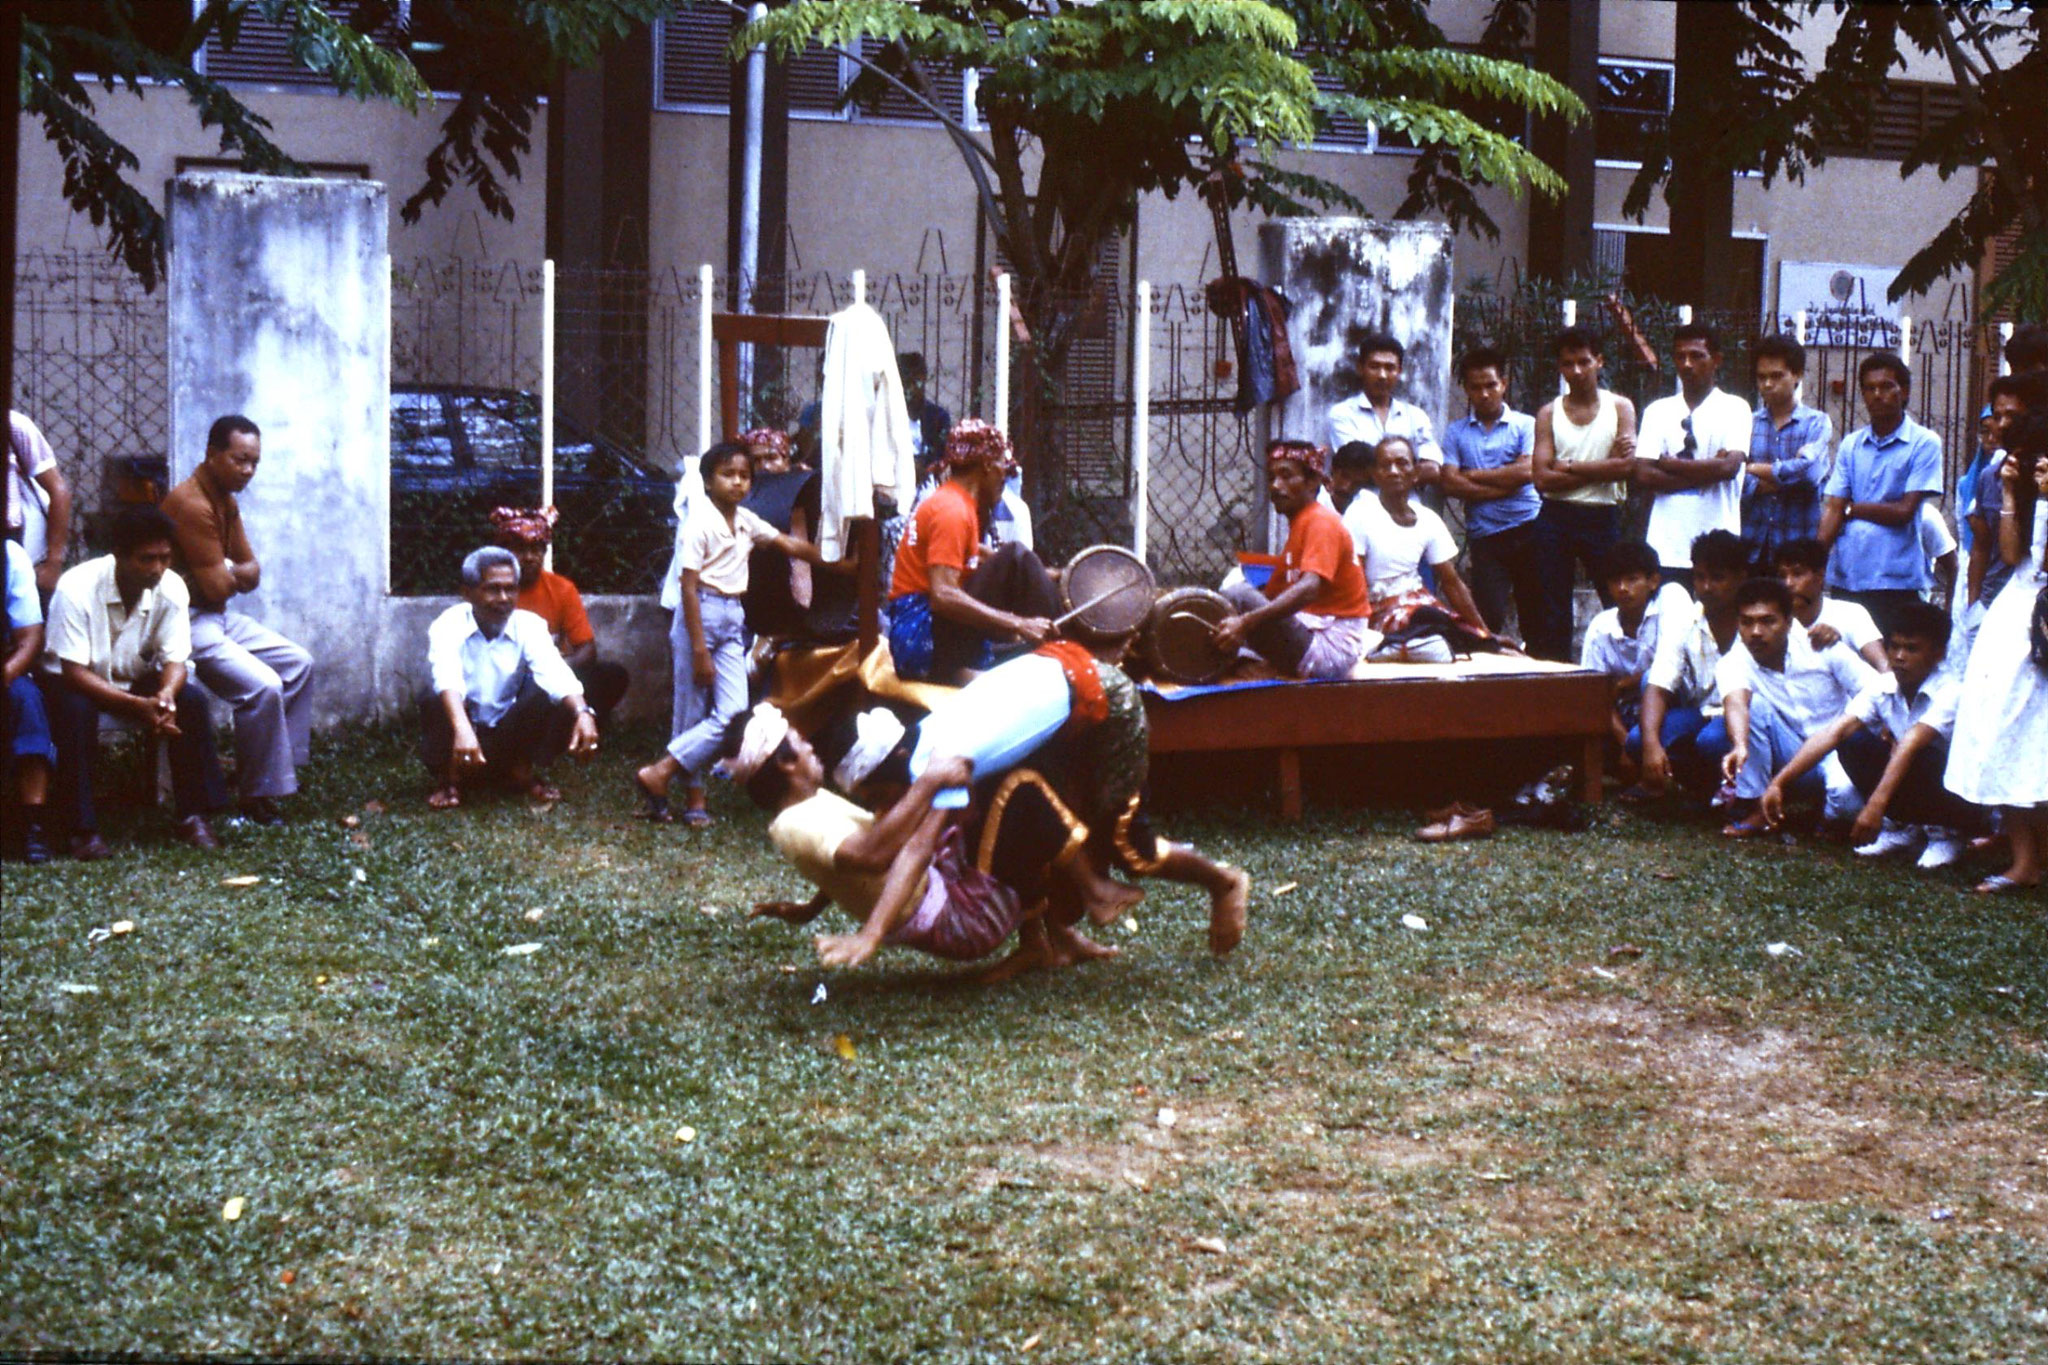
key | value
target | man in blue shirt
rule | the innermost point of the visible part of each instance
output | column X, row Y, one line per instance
column 1487, row 464
column 1871, row 518
column 1789, row 445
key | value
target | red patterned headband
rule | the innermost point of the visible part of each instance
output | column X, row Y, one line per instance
column 525, row 525
column 777, row 441
column 974, row 441
column 1310, row 456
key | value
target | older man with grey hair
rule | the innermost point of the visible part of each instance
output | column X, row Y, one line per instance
column 501, row 703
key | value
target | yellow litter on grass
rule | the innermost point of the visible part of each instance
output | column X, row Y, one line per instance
column 232, row 1210
column 843, row 1045
column 240, row 881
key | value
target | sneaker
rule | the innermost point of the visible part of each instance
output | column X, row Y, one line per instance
column 1944, row 846
column 1893, row 837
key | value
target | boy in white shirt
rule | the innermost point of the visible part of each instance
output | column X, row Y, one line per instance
column 1622, row 640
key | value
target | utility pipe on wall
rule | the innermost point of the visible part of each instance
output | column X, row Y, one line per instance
column 1002, row 417
column 750, row 201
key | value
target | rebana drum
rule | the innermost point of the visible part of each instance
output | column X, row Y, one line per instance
column 1179, row 643
column 1105, row 594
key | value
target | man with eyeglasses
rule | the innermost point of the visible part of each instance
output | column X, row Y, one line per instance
column 1690, row 454
column 1870, row 519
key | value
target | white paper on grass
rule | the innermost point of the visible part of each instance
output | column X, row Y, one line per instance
column 1415, row 922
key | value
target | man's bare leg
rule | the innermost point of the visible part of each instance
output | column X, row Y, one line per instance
column 1032, row 952
column 1228, row 887
column 448, row 795
column 1103, row 897
column 1066, row 943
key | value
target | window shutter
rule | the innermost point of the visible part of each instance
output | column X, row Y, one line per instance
column 814, row 82
column 948, row 82
column 1999, row 253
column 261, row 56
column 694, row 69
column 1344, row 130
column 1899, row 116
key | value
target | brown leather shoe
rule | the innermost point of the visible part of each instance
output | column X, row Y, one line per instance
column 194, row 830
column 1469, row 824
column 1443, row 815
column 90, row 848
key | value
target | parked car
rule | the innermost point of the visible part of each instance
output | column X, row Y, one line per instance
column 458, row 451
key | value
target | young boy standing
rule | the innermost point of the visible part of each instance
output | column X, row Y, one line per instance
column 713, row 548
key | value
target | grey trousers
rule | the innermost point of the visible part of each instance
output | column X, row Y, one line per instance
column 265, row 678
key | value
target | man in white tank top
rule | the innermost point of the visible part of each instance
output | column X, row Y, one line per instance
column 1584, row 457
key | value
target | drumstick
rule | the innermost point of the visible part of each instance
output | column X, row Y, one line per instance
column 1099, row 599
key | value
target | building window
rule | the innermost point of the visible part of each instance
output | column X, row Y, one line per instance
column 1897, row 118
column 1634, row 109
column 695, row 74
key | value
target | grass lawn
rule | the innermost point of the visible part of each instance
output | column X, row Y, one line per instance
column 1510, row 1136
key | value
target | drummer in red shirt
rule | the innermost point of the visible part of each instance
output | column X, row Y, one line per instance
column 1310, row 618
column 952, row 600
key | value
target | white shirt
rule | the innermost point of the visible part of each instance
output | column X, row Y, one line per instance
column 864, row 443
column 1850, row 620
column 1687, row 660
column 1721, row 422
column 29, row 457
column 90, row 625
column 1880, row 709
column 718, row 551
column 1610, row 650
column 1810, row 691
column 1391, row 554
column 489, row 672
column 1355, row 419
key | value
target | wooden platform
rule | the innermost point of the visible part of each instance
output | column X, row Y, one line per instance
column 1489, row 697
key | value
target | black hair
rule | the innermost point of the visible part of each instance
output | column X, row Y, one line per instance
column 1755, row 591
column 1918, row 620
column 1375, row 342
column 2026, row 443
column 1482, row 358
column 1886, row 360
column 1803, row 553
column 1696, row 331
column 1353, row 457
column 1720, row 552
column 234, row 424
column 1779, row 347
column 2007, row 386
column 719, row 454
column 2032, row 389
column 909, row 363
column 1577, row 339
column 2028, row 349
column 1625, row 557
column 139, row 525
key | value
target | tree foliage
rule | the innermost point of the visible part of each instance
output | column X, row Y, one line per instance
column 501, row 56
column 1086, row 107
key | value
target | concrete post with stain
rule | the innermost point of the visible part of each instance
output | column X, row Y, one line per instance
column 280, row 309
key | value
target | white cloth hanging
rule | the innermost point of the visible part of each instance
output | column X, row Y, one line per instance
column 865, row 435
column 689, row 488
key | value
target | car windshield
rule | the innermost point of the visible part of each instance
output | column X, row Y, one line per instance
column 419, row 432
column 500, row 435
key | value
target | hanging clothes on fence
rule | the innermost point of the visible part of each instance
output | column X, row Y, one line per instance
column 865, row 441
column 1258, row 313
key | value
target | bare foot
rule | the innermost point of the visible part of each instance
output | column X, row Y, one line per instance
column 1228, row 910
column 789, row 912
column 1029, row 955
column 444, row 798
column 547, row 793
column 1069, row 945
column 1108, row 899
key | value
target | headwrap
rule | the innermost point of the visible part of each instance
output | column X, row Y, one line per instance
column 525, row 525
column 876, row 731
column 974, row 441
column 766, row 728
column 772, row 437
column 1310, row 456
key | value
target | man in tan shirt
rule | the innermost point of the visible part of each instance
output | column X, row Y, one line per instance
column 258, row 672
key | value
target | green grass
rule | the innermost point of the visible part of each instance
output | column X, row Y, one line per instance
column 1490, row 1141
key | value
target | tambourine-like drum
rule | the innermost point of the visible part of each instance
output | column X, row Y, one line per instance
column 1179, row 643
column 1106, row 593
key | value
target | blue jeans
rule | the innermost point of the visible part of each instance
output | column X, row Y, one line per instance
column 1695, row 744
column 705, row 712
column 1772, row 742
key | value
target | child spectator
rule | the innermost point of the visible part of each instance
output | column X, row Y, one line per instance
column 713, row 554
column 1682, row 730
column 1622, row 640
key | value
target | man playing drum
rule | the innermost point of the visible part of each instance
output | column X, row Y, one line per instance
column 1309, row 619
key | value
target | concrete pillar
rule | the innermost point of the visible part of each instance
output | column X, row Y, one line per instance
column 280, row 309
column 1561, row 230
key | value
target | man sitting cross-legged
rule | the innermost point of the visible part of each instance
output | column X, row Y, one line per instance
column 1682, row 731
column 912, row 876
column 527, row 532
column 1309, row 619
column 1395, row 537
column 501, row 703
column 1780, row 692
column 1893, row 742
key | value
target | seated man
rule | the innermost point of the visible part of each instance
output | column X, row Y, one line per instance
column 118, row 640
column 950, row 603
column 501, row 703
column 1395, row 537
column 1682, row 731
column 1622, row 640
column 266, row 678
column 527, row 532
column 30, row 753
column 1780, row 692
column 1802, row 566
column 1309, row 619
column 1893, row 741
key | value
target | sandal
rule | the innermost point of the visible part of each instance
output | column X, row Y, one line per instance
column 653, row 809
column 544, row 792
column 697, row 818
column 1748, row 827
column 1998, row 884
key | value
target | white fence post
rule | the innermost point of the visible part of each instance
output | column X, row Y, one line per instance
column 706, row 283
column 1002, row 417
column 1141, row 420
column 547, row 397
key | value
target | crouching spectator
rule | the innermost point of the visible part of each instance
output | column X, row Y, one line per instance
column 527, row 533
column 1893, row 742
column 1622, row 640
column 118, row 641
column 502, row 704
column 1683, row 731
column 24, row 724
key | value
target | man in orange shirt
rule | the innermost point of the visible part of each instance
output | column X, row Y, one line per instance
column 949, row 601
column 1309, row 619
column 527, row 532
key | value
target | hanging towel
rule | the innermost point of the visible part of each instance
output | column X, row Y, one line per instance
column 866, row 447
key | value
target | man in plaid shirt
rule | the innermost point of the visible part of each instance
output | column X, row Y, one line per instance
column 1790, row 448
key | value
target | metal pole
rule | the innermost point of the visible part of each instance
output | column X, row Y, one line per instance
column 2004, row 336
column 750, row 199
column 1141, row 419
column 860, row 286
column 1799, row 335
column 1906, row 337
column 547, row 397
column 1002, row 417
column 1570, row 312
column 706, row 283
column 1684, row 320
